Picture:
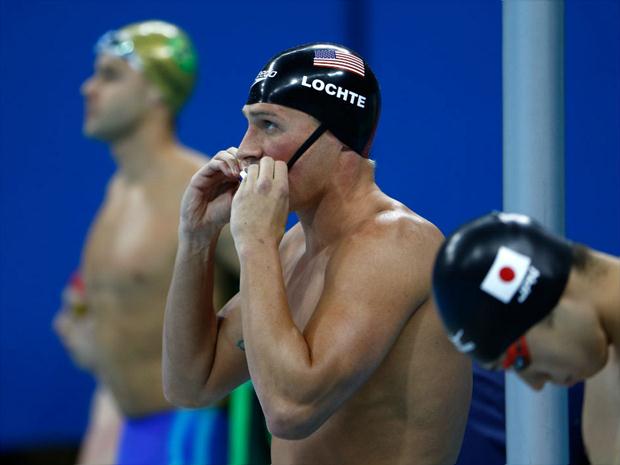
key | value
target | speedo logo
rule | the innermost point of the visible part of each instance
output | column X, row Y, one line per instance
column 461, row 346
column 528, row 283
column 264, row 75
column 339, row 92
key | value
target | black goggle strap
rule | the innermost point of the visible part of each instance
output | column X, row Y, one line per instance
column 306, row 145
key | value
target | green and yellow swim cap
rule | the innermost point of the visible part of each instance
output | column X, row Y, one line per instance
column 160, row 50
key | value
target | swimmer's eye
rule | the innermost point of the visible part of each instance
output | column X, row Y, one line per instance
column 108, row 74
column 269, row 125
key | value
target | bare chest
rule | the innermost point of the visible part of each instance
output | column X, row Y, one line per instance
column 133, row 240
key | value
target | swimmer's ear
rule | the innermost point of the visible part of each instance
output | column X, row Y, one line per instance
column 154, row 95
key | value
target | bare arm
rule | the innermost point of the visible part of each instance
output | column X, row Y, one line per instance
column 226, row 253
column 200, row 360
column 100, row 443
column 439, row 390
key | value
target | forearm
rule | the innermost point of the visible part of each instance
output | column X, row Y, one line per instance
column 101, row 439
column 279, row 358
column 190, row 326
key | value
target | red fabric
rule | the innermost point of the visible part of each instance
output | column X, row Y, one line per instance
column 77, row 283
column 518, row 349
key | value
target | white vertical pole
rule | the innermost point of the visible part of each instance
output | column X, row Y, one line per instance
column 533, row 177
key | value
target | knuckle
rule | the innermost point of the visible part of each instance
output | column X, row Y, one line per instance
column 222, row 155
column 264, row 185
column 216, row 165
column 283, row 190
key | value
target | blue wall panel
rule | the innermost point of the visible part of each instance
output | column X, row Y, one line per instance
column 439, row 143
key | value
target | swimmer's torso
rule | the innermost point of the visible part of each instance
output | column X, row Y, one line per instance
column 412, row 409
column 127, row 266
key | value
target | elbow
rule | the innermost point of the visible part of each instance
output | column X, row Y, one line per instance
column 182, row 390
column 178, row 398
column 185, row 400
column 172, row 394
column 183, row 397
column 291, row 422
column 290, row 428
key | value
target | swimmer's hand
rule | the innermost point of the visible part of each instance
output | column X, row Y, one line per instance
column 260, row 206
column 206, row 203
column 75, row 326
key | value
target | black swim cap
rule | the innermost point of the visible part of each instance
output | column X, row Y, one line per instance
column 329, row 82
column 496, row 277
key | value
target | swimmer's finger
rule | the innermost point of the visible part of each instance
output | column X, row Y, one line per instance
column 280, row 174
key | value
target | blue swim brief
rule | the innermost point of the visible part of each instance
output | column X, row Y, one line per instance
column 176, row 437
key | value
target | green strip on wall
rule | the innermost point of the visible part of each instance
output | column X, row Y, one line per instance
column 240, row 415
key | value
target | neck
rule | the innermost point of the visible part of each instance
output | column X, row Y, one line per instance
column 351, row 192
column 142, row 152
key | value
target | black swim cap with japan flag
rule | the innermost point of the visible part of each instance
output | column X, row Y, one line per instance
column 329, row 82
column 496, row 277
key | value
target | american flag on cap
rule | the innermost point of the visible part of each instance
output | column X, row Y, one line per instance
column 329, row 58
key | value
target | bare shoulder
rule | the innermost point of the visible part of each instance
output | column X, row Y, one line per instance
column 292, row 244
column 179, row 171
column 191, row 159
column 114, row 188
column 394, row 249
column 420, row 234
column 400, row 233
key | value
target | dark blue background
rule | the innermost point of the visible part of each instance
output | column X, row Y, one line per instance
column 438, row 147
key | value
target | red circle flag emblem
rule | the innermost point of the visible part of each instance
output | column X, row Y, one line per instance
column 507, row 274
